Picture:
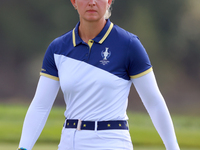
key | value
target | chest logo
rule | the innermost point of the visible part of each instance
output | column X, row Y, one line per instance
column 105, row 55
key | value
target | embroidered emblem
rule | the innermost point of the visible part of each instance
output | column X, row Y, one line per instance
column 105, row 55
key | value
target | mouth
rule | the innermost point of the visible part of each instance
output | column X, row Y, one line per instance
column 91, row 11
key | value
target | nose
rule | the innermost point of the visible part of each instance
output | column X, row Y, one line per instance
column 92, row 2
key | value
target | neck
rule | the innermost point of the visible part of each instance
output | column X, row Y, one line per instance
column 89, row 30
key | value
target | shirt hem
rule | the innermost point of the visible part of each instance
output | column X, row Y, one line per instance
column 141, row 74
column 49, row 76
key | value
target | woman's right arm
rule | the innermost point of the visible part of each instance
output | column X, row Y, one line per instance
column 38, row 111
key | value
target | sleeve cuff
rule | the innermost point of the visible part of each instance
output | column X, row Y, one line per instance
column 141, row 74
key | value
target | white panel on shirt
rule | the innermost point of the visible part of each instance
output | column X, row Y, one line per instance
column 91, row 93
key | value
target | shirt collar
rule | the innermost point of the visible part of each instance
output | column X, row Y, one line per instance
column 100, row 38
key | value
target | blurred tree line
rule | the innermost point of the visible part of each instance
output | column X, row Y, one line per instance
column 169, row 30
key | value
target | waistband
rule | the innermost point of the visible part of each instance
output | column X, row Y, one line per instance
column 96, row 125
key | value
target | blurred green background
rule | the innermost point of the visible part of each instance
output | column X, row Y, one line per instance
column 169, row 30
column 143, row 133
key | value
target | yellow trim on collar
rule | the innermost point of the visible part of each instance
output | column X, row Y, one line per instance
column 74, row 38
column 141, row 74
column 101, row 41
column 90, row 43
column 49, row 76
column 107, row 33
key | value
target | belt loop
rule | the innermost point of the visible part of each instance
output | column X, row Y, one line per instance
column 64, row 125
column 96, row 126
column 79, row 125
column 127, row 124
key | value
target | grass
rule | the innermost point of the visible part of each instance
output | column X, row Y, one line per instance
column 54, row 147
column 143, row 133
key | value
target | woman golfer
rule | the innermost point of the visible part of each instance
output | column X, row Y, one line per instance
column 95, row 65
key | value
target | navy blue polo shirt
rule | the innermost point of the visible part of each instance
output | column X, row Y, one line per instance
column 95, row 76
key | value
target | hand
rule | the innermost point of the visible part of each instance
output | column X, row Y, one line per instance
column 21, row 148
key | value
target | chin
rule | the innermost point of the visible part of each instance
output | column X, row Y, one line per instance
column 93, row 19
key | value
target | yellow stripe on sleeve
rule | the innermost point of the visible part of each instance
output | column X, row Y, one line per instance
column 141, row 74
column 49, row 76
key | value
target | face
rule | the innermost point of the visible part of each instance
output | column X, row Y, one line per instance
column 91, row 10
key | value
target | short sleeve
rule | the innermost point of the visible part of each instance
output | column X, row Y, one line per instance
column 138, row 59
column 49, row 68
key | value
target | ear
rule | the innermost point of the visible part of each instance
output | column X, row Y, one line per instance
column 109, row 2
column 74, row 3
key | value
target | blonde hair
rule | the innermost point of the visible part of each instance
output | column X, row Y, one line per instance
column 108, row 11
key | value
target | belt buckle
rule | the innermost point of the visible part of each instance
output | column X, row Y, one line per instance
column 79, row 124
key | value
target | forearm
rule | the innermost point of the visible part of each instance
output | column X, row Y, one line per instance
column 33, row 124
column 153, row 101
column 163, row 123
column 38, row 111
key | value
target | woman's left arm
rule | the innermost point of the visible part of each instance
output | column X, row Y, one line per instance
column 154, row 103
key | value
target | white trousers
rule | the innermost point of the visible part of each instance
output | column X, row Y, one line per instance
column 73, row 139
